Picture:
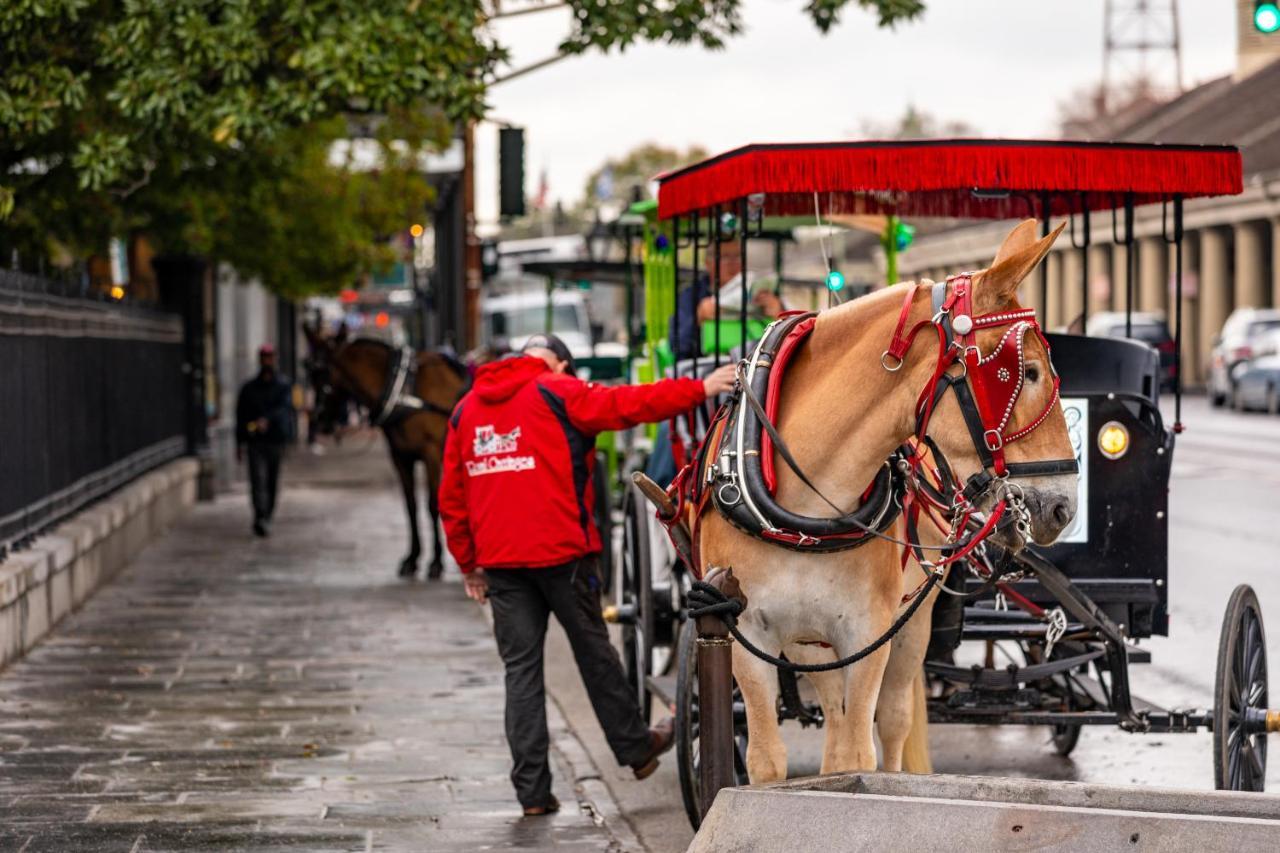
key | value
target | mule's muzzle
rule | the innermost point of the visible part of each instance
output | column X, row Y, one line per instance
column 1052, row 509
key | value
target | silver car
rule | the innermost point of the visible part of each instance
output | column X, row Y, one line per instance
column 1236, row 343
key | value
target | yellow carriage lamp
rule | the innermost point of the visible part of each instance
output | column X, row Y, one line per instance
column 1113, row 439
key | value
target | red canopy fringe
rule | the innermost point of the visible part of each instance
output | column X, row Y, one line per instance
column 937, row 177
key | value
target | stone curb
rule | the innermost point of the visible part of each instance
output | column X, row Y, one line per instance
column 41, row 584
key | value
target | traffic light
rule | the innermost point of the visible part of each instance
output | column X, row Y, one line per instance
column 1266, row 17
column 511, row 171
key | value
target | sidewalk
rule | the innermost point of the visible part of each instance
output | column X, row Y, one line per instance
column 227, row 693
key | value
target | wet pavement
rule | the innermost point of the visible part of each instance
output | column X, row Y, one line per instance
column 232, row 693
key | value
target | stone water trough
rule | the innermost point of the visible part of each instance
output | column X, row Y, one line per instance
column 894, row 811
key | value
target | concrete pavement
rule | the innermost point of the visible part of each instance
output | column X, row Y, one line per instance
column 227, row 692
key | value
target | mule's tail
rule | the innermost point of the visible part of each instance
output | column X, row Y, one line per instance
column 915, row 751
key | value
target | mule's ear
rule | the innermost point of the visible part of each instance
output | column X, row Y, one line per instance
column 341, row 335
column 1018, row 256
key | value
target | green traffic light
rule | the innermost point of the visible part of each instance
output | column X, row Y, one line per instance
column 835, row 280
column 1266, row 17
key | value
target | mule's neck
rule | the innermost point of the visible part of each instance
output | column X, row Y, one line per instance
column 841, row 412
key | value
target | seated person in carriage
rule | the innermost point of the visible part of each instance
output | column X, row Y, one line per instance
column 691, row 328
column 516, row 500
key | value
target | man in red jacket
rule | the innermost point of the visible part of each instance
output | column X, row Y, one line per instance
column 516, row 500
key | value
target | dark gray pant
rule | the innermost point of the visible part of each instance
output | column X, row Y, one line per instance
column 522, row 599
column 264, row 476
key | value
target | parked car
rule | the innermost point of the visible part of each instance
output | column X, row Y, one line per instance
column 1257, row 380
column 1149, row 328
column 1235, row 344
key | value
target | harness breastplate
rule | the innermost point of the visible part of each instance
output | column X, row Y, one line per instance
column 735, row 471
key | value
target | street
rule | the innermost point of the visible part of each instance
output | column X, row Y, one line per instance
column 1224, row 530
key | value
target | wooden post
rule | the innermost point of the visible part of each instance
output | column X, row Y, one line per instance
column 715, row 695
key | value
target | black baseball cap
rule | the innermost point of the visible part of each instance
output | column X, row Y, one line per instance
column 551, row 342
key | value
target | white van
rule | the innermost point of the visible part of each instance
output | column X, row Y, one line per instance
column 516, row 316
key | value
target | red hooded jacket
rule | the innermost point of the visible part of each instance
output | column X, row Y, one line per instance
column 517, row 488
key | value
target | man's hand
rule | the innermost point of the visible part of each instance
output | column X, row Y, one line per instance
column 477, row 586
column 720, row 381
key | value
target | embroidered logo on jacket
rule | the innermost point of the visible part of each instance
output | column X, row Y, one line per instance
column 489, row 443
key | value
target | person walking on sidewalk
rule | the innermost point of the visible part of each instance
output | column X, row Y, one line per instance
column 264, row 423
column 516, row 500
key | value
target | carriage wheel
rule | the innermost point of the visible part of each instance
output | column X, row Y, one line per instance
column 1240, row 697
column 687, row 752
column 1065, row 738
column 635, row 597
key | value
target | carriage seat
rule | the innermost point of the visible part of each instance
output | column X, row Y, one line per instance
column 1099, row 366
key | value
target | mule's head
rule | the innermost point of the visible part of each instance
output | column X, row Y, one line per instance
column 1049, row 498
column 332, row 397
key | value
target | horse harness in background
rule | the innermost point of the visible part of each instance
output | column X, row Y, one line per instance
column 397, row 400
column 734, row 468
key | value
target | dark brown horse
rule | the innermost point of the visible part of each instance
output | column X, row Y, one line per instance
column 409, row 396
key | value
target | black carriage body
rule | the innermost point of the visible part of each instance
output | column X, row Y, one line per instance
column 1121, row 557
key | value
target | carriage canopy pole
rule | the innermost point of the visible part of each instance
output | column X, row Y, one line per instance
column 715, row 285
column 1083, row 246
column 743, row 223
column 1130, row 265
column 1044, row 268
column 1175, row 239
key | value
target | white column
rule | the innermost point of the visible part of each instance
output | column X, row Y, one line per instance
column 1250, row 267
column 1153, row 274
column 1070, row 302
column 1215, row 286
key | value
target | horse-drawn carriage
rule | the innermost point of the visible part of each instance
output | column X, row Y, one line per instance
column 1075, row 608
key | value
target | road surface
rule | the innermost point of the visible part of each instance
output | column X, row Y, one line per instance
column 1224, row 530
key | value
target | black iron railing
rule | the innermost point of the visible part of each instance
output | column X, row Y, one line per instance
column 91, row 396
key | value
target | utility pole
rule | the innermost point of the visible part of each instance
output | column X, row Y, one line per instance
column 1141, row 51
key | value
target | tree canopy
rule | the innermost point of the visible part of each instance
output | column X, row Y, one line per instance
column 202, row 121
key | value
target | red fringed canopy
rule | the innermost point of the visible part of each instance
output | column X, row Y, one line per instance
column 967, row 178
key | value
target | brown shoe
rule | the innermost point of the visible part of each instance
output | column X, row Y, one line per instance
column 538, row 811
column 661, row 738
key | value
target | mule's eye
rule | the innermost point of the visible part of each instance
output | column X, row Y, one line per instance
column 1032, row 373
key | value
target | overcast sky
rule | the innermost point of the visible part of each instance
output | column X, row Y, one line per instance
column 1000, row 65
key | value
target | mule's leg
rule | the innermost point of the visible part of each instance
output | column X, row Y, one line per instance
column 901, row 716
column 434, row 465
column 404, row 468
column 758, row 681
column 830, row 689
column 856, row 747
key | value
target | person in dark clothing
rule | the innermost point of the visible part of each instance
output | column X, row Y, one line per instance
column 264, row 423
column 517, row 501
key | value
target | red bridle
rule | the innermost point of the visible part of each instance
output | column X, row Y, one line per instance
column 989, row 386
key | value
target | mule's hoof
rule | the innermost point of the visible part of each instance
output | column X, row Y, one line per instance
column 434, row 571
column 408, row 569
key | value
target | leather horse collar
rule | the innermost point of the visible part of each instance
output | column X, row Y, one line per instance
column 736, row 464
column 397, row 400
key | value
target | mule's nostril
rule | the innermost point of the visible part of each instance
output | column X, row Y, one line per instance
column 1062, row 513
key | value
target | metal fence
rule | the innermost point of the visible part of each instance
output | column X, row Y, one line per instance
column 92, row 394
